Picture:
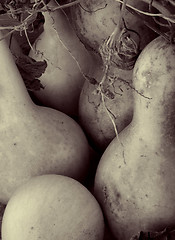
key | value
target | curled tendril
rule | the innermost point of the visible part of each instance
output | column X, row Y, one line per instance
column 123, row 51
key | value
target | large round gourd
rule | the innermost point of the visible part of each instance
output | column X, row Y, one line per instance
column 135, row 177
column 52, row 207
column 34, row 140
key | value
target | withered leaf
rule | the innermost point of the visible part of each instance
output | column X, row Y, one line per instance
column 166, row 234
column 30, row 71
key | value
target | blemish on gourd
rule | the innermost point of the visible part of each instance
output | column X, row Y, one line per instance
column 104, row 190
column 148, row 84
column 148, row 104
column 113, row 201
column 169, row 68
column 146, row 76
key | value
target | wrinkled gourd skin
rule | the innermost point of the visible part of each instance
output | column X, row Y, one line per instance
column 95, row 116
column 135, row 178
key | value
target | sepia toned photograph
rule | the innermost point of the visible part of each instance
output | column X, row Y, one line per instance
column 87, row 120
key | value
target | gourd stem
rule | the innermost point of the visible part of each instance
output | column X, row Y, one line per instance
column 120, row 24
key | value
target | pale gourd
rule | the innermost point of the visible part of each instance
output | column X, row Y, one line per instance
column 52, row 207
column 101, row 119
column 34, row 140
column 67, row 63
column 135, row 177
column 95, row 20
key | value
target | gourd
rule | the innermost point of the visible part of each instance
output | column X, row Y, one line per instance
column 95, row 20
column 101, row 117
column 135, row 178
column 67, row 62
column 34, row 140
column 52, row 207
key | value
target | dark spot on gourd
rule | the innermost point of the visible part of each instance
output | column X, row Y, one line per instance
column 14, row 144
column 146, row 195
column 165, row 46
column 118, row 195
column 168, row 67
column 104, row 190
column 147, row 105
column 32, row 228
column 92, row 80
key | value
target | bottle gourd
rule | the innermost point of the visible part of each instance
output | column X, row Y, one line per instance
column 135, row 178
column 95, row 20
column 95, row 114
column 34, row 140
column 67, row 61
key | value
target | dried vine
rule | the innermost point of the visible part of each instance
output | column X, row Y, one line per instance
column 165, row 10
column 19, row 15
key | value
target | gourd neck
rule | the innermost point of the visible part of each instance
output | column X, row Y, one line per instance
column 156, row 116
column 12, row 87
column 153, row 78
column 58, row 27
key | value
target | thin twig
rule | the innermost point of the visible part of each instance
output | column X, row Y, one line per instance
column 32, row 12
column 109, row 115
column 110, row 41
column 28, row 40
column 167, row 15
column 155, row 29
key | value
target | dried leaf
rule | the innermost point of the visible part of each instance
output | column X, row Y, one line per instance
column 166, row 234
column 30, row 71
